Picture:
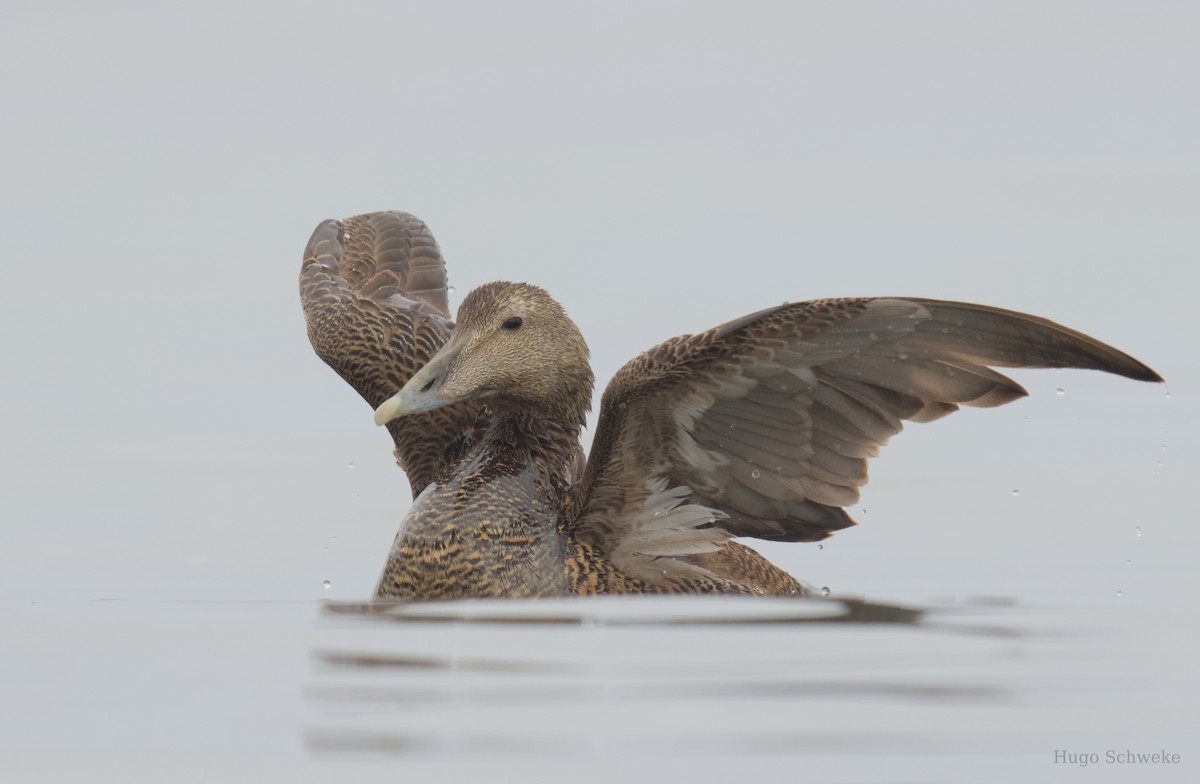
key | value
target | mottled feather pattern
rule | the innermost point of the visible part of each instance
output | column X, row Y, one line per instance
column 374, row 293
column 760, row 427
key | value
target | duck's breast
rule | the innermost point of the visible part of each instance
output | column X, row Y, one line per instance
column 489, row 529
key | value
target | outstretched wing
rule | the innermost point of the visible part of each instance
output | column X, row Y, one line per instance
column 762, row 427
column 374, row 292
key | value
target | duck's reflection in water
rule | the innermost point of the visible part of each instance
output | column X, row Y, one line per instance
column 654, row 676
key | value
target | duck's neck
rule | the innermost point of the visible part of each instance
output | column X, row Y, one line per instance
column 551, row 443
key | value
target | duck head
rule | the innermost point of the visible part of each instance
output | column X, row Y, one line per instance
column 514, row 348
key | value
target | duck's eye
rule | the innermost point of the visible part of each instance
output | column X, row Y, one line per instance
column 513, row 323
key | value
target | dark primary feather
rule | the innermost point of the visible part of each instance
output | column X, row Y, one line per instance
column 374, row 293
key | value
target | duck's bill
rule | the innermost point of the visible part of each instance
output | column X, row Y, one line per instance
column 392, row 408
column 423, row 392
column 408, row 401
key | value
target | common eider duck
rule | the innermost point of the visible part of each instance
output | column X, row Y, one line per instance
column 760, row 427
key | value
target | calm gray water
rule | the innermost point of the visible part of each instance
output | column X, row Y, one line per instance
column 640, row 689
column 180, row 477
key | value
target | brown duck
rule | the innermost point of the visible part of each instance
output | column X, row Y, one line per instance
column 760, row 427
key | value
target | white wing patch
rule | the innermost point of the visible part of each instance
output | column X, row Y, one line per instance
column 668, row 527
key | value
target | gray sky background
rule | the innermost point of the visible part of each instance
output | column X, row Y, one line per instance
column 659, row 167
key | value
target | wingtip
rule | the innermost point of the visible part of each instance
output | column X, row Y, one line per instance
column 1149, row 374
column 1134, row 369
column 1112, row 360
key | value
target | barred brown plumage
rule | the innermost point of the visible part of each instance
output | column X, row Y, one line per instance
column 760, row 427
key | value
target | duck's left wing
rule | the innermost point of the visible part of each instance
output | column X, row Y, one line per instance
column 374, row 292
column 763, row 426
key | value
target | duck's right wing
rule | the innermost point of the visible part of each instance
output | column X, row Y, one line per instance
column 763, row 427
column 374, row 293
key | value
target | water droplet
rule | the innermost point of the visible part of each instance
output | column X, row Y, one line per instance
column 820, row 547
column 1139, row 530
column 449, row 289
column 1016, row 492
column 1120, row 593
column 755, row 474
column 1060, row 391
column 1129, row 563
column 825, row 590
column 1168, row 395
column 350, row 465
column 326, row 585
column 903, row 356
column 326, row 549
